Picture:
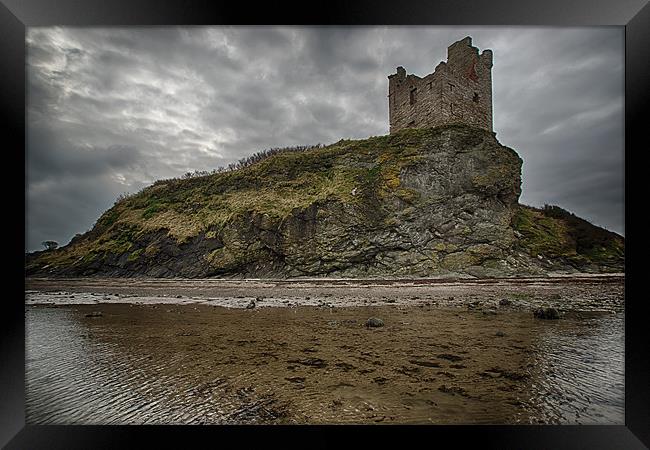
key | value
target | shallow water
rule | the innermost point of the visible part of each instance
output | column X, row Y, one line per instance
column 197, row 364
column 72, row 377
column 581, row 379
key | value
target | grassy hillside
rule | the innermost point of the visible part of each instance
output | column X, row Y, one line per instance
column 419, row 202
column 273, row 187
column 555, row 233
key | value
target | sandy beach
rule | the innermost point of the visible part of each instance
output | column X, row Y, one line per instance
column 576, row 292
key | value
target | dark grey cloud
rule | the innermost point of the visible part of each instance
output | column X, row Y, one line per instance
column 110, row 110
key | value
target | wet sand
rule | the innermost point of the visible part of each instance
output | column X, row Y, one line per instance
column 448, row 352
column 581, row 293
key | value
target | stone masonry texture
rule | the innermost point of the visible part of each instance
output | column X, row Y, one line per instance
column 458, row 91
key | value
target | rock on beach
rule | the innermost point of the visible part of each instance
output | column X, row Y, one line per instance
column 546, row 313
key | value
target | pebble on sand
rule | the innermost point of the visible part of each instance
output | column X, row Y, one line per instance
column 546, row 313
column 374, row 322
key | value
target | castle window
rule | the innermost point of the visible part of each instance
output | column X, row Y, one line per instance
column 429, row 86
column 412, row 97
column 411, row 123
column 475, row 98
column 451, row 87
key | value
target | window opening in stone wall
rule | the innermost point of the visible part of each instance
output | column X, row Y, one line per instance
column 411, row 123
column 451, row 87
column 429, row 85
column 412, row 97
column 475, row 98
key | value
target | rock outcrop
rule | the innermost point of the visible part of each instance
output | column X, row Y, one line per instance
column 419, row 203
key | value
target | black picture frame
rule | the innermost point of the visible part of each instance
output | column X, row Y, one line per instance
column 16, row 15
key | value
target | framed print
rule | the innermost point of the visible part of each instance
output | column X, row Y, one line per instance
column 410, row 218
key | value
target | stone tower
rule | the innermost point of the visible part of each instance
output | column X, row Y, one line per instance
column 458, row 91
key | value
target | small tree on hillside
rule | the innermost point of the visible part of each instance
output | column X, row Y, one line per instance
column 50, row 245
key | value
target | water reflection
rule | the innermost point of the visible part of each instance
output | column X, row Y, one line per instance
column 73, row 376
column 578, row 370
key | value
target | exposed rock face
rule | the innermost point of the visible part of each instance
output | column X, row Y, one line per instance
column 418, row 203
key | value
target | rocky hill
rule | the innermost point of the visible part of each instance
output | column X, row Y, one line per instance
column 419, row 203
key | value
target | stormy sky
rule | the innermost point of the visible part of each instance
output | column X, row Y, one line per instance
column 110, row 110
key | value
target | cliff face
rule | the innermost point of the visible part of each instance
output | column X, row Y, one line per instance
column 419, row 203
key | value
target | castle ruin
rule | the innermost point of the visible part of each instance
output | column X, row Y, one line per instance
column 458, row 91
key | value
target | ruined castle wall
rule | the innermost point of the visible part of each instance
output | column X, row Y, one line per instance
column 459, row 91
column 414, row 102
column 464, row 100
